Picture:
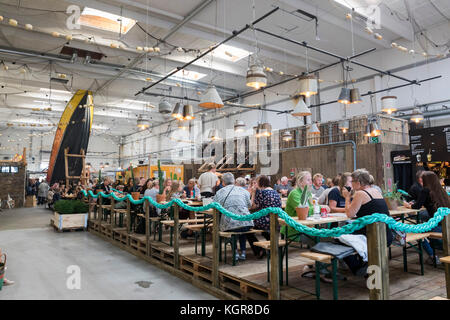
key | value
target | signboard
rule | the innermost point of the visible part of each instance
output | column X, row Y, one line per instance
column 430, row 144
column 374, row 140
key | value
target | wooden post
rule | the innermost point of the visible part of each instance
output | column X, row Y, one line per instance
column 147, row 224
column 378, row 256
column 89, row 207
column 215, row 248
column 176, row 236
column 100, row 211
column 112, row 213
column 274, row 261
column 66, row 162
column 446, row 247
column 83, row 170
column 128, row 215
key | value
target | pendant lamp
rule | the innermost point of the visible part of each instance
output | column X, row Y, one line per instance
column 176, row 113
column 165, row 107
column 344, row 97
column 211, row 99
column 389, row 104
column 188, row 112
column 142, row 123
column 368, row 130
column 256, row 78
column 286, row 136
column 344, row 126
column 300, row 109
column 265, row 130
column 239, row 126
column 355, row 96
column 417, row 115
column 214, row 135
column 375, row 129
column 308, row 86
column 314, row 129
column 183, row 125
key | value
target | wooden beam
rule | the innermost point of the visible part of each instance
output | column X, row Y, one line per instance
column 274, row 263
column 176, row 236
column 147, row 225
column 128, row 217
column 378, row 256
column 66, row 162
column 215, row 248
column 112, row 213
column 76, row 155
column 446, row 247
column 99, row 211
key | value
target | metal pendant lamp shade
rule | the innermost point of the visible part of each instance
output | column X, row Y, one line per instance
column 355, row 96
column 300, row 109
column 375, row 129
column 389, row 104
column 344, row 97
column 265, row 130
column 286, row 136
column 256, row 78
column 188, row 112
column 177, row 112
column 211, row 99
column 142, row 123
column 314, row 129
column 165, row 107
column 308, row 86
column 239, row 126
column 344, row 126
column 183, row 125
column 417, row 115
column 368, row 130
column 214, row 135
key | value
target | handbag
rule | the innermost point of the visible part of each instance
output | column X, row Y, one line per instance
column 338, row 251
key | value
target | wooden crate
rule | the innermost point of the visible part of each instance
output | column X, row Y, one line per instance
column 30, row 201
column 196, row 269
column 70, row 221
column 120, row 235
column 138, row 242
column 242, row 289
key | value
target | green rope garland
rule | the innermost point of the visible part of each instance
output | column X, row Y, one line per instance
column 334, row 232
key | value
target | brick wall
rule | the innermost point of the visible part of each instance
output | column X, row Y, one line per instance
column 13, row 183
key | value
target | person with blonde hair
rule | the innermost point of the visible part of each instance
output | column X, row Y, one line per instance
column 208, row 181
column 316, row 187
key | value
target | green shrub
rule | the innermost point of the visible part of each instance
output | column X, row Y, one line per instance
column 63, row 206
column 79, row 206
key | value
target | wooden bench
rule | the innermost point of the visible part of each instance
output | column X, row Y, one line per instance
column 445, row 260
column 265, row 245
column 410, row 238
column 231, row 238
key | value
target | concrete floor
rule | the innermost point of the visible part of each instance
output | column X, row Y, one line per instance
column 38, row 258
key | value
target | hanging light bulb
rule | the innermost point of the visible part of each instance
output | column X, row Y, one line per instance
column 183, row 125
column 417, row 115
column 355, row 97
column 344, row 126
column 214, row 135
column 211, row 99
column 176, row 113
column 344, row 96
column 314, row 129
column 188, row 112
column 265, row 130
column 286, row 136
column 142, row 123
column 300, row 109
column 239, row 126
column 165, row 107
column 256, row 78
column 308, row 86
column 389, row 104
column 375, row 129
column 368, row 130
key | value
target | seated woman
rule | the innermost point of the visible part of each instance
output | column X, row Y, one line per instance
column 191, row 190
column 336, row 200
column 432, row 197
column 237, row 200
column 130, row 187
column 263, row 197
column 366, row 201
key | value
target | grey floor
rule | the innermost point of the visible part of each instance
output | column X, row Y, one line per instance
column 38, row 258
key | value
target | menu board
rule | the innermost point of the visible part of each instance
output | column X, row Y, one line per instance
column 430, row 144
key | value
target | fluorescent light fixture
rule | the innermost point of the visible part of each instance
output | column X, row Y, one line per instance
column 188, row 75
column 105, row 21
column 230, row 53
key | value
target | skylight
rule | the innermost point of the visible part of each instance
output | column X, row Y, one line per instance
column 230, row 53
column 188, row 75
column 105, row 21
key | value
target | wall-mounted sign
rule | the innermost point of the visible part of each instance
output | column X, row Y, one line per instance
column 430, row 144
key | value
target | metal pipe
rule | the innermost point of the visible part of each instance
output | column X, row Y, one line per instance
column 235, row 33
column 384, row 72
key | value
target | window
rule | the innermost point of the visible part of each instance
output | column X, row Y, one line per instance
column 105, row 21
column 5, row 169
column 14, row 169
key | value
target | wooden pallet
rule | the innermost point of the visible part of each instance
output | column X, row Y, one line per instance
column 242, row 289
column 120, row 235
column 196, row 269
column 162, row 255
column 106, row 230
column 138, row 242
column 52, row 224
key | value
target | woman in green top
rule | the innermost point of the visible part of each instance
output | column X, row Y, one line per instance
column 303, row 179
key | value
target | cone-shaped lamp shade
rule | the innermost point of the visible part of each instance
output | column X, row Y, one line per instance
column 368, row 130
column 375, row 130
column 308, row 86
column 256, row 78
column 314, row 129
column 389, row 104
column 287, row 136
column 355, row 96
column 211, row 99
column 300, row 109
column 344, row 97
column 214, row 135
column 239, row 126
column 142, row 123
column 165, row 107
column 417, row 115
column 344, row 126
column 265, row 130
column 177, row 112
column 188, row 112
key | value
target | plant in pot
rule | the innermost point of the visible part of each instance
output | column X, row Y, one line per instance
column 161, row 196
column 303, row 206
column 135, row 195
column 393, row 198
column 70, row 214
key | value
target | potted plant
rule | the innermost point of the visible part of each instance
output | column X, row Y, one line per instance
column 135, row 195
column 392, row 198
column 303, row 206
column 161, row 196
column 70, row 214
